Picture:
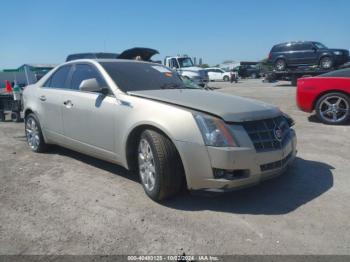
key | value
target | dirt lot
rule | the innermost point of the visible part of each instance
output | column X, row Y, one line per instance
column 67, row 203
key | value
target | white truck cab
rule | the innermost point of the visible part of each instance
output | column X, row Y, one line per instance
column 185, row 67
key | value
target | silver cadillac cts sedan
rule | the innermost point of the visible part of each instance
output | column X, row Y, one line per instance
column 144, row 117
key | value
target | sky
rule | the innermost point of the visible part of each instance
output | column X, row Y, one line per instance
column 41, row 31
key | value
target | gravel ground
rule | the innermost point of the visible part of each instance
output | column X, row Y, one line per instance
column 64, row 202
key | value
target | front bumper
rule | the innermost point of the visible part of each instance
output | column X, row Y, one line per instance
column 341, row 59
column 200, row 161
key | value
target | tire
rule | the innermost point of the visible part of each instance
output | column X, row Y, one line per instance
column 326, row 62
column 333, row 108
column 280, row 64
column 294, row 81
column 159, row 166
column 16, row 117
column 34, row 134
column 254, row 76
column 226, row 78
column 2, row 116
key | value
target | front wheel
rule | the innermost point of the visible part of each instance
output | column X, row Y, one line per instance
column 159, row 166
column 34, row 135
column 333, row 108
column 226, row 78
column 326, row 62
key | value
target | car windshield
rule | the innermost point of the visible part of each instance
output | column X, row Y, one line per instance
column 319, row 45
column 137, row 76
column 185, row 62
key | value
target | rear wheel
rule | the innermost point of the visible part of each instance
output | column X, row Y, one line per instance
column 326, row 62
column 280, row 65
column 34, row 135
column 16, row 116
column 159, row 166
column 333, row 108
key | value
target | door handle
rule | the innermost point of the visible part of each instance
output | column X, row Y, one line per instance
column 42, row 98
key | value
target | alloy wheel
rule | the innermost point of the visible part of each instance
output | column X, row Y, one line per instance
column 146, row 165
column 326, row 63
column 334, row 109
column 32, row 133
column 280, row 65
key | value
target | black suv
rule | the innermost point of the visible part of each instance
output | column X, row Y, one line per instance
column 294, row 54
column 245, row 71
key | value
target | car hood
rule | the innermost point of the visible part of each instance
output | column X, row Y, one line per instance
column 145, row 53
column 341, row 50
column 229, row 108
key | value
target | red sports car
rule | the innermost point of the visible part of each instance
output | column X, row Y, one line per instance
column 327, row 94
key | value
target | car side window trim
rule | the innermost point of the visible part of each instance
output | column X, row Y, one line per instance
column 49, row 80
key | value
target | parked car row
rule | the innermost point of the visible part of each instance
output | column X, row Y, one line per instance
column 242, row 71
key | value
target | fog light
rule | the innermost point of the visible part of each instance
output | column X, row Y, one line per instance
column 219, row 173
column 230, row 174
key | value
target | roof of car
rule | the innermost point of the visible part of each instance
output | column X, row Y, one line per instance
column 104, row 60
column 90, row 55
column 294, row 42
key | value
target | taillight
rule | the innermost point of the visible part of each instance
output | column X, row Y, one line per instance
column 270, row 55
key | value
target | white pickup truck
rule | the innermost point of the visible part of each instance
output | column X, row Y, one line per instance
column 185, row 67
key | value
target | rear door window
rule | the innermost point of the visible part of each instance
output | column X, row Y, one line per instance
column 59, row 78
column 305, row 46
column 277, row 48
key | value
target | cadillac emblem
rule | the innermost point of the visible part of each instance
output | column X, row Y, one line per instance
column 278, row 132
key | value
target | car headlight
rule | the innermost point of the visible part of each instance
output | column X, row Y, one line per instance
column 214, row 131
column 338, row 52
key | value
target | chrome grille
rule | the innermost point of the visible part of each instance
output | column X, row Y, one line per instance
column 268, row 134
column 203, row 73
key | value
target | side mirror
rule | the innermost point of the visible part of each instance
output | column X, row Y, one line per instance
column 90, row 85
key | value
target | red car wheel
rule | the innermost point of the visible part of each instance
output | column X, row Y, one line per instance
column 333, row 108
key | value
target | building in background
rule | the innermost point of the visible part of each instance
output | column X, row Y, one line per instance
column 25, row 74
